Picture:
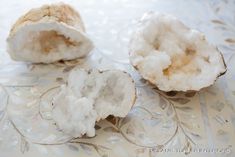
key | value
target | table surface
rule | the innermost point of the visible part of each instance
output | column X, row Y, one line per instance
column 160, row 124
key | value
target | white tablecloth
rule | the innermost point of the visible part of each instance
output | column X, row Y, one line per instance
column 160, row 124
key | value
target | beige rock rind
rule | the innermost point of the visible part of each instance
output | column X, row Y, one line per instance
column 55, row 12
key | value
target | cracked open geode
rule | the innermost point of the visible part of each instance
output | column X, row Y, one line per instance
column 48, row 34
column 90, row 96
column 172, row 56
